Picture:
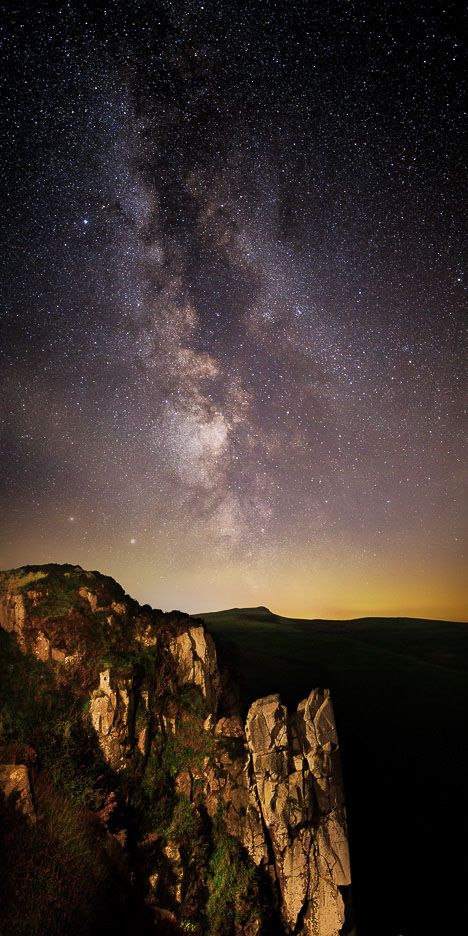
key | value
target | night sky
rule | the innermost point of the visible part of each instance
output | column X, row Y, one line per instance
column 233, row 342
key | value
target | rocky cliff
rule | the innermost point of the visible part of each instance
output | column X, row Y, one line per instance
column 230, row 824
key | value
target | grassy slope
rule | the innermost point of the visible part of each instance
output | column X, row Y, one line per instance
column 400, row 689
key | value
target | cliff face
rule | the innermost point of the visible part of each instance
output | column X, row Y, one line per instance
column 214, row 795
column 296, row 777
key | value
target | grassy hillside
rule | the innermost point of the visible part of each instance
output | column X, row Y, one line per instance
column 400, row 690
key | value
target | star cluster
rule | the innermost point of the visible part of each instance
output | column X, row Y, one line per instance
column 233, row 347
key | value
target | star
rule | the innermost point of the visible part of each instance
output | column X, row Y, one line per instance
column 268, row 296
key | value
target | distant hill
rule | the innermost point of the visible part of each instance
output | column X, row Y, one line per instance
column 251, row 614
column 341, row 654
column 400, row 691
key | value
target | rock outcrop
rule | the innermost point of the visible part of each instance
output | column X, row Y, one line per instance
column 194, row 653
column 295, row 765
column 109, row 710
column 158, row 704
column 14, row 781
column 13, row 615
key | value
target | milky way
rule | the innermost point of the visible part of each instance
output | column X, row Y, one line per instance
column 233, row 345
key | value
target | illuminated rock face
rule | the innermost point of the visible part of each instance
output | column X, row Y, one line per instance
column 13, row 615
column 194, row 653
column 109, row 710
column 295, row 765
column 277, row 779
column 274, row 777
column 14, row 781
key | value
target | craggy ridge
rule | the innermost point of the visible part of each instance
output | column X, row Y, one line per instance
column 227, row 825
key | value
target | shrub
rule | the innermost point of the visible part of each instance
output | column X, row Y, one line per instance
column 153, row 799
column 36, row 713
column 186, row 825
column 234, row 892
column 59, row 878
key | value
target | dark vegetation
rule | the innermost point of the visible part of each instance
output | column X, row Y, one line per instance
column 45, row 723
column 60, row 875
column 65, row 874
column 400, row 691
column 222, row 888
